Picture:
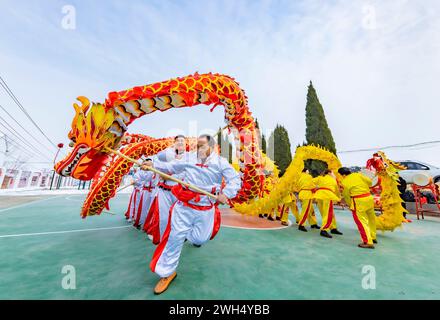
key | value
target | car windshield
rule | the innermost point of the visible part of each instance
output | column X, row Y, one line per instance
column 416, row 165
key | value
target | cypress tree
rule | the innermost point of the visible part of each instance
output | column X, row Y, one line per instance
column 317, row 130
column 263, row 143
column 225, row 146
column 259, row 138
column 279, row 147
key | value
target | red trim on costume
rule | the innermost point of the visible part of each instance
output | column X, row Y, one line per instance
column 127, row 213
column 154, row 206
column 154, row 226
column 139, row 210
column 159, row 250
column 282, row 211
column 306, row 214
column 330, row 215
column 165, row 186
column 201, row 165
column 185, row 195
column 361, row 195
column 217, row 222
column 199, row 208
column 328, row 189
column 359, row 225
column 132, row 211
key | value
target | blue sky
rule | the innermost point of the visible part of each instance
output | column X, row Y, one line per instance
column 374, row 64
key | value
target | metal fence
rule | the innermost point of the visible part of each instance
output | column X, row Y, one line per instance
column 12, row 179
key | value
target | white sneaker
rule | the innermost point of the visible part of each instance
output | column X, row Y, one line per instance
column 150, row 237
column 129, row 220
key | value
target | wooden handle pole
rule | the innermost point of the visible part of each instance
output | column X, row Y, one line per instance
column 164, row 175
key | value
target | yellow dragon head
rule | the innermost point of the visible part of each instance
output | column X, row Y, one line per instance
column 94, row 128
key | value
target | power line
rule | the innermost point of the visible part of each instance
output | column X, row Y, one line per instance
column 30, row 134
column 26, row 152
column 393, row 147
column 23, row 152
column 14, row 98
column 33, row 149
column 19, row 136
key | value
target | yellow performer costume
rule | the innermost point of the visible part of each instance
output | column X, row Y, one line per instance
column 268, row 187
column 289, row 203
column 306, row 187
column 357, row 195
column 327, row 191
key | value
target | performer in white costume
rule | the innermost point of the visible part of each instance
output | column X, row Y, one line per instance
column 164, row 199
column 193, row 216
column 135, row 196
column 147, row 179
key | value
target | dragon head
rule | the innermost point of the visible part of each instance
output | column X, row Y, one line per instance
column 382, row 165
column 94, row 128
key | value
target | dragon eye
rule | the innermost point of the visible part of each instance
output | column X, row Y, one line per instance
column 71, row 144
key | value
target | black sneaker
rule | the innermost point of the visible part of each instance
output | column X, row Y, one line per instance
column 261, row 216
column 278, row 218
column 270, row 218
column 302, row 228
column 336, row 231
column 197, row 245
column 315, row 226
column 374, row 241
column 325, row 234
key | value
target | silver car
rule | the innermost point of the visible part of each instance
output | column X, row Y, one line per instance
column 416, row 167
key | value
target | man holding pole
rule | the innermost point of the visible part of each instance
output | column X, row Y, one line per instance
column 195, row 215
column 357, row 195
column 147, row 180
column 135, row 196
column 157, row 218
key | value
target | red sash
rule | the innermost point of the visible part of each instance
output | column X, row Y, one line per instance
column 185, row 195
column 364, row 195
column 164, row 186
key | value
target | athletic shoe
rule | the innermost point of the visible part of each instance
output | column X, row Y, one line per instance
column 149, row 236
column 325, row 234
column 197, row 245
column 302, row 228
column 163, row 283
column 284, row 223
column 366, row 246
column 374, row 241
column 270, row 218
column 336, row 231
column 315, row 226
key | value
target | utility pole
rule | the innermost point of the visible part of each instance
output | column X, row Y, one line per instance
column 6, row 153
column 5, row 137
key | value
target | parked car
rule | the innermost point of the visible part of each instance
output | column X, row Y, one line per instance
column 417, row 167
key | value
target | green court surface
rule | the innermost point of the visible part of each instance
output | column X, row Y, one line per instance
column 111, row 259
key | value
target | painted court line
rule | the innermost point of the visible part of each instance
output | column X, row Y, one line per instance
column 27, row 204
column 258, row 229
column 59, row 232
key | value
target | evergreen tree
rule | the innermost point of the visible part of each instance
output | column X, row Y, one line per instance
column 263, row 143
column 317, row 130
column 225, row 146
column 259, row 138
column 230, row 153
column 279, row 148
